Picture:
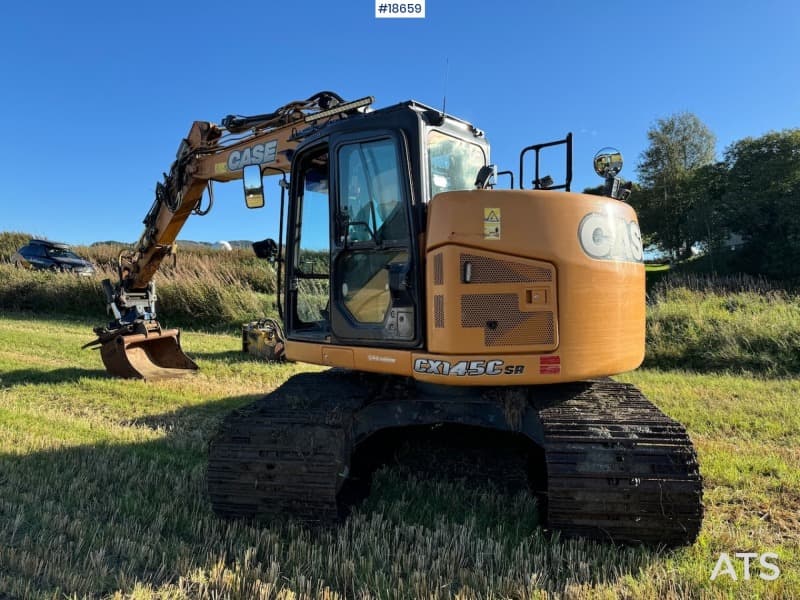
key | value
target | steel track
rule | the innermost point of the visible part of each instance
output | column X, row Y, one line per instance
column 617, row 468
column 287, row 453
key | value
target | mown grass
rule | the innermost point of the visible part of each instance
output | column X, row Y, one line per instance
column 101, row 495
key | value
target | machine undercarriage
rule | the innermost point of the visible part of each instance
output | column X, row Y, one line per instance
column 604, row 462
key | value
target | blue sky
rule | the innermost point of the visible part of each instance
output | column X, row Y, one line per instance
column 97, row 96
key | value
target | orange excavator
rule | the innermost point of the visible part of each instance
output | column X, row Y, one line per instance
column 457, row 315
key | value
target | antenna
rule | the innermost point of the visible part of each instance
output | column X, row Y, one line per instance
column 444, row 93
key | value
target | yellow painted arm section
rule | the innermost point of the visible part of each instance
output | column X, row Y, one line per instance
column 211, row 152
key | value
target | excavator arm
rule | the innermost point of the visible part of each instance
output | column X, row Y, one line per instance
column 134, row 344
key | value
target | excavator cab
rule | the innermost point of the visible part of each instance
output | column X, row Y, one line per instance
column 356, row 218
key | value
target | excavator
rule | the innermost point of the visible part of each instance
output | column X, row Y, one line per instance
column 448, row 309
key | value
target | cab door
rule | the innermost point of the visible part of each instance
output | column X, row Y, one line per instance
column 307, row 315
column 374, row 299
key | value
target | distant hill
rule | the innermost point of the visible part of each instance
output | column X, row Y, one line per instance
column 240, row 244
column 243, row 244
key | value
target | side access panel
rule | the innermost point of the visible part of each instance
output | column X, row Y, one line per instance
column 484, row 302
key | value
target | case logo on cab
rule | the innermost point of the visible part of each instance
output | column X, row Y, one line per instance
column 253, row 155
column 468, row 368
column 610, row 237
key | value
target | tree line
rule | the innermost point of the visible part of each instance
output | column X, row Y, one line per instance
column 750, row 199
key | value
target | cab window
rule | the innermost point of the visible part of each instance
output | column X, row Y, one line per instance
column 370, row 193
column 374, row 231
column 453, row 163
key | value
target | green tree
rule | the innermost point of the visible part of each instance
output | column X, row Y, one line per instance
column 678, row 146
column 598, row 190
column 707, row 218
column 762, row 201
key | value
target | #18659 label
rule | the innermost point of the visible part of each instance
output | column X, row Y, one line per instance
column 400, row 10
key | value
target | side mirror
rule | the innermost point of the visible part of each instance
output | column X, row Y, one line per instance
column 608, row 162
column 253, row 186
column 486, row 177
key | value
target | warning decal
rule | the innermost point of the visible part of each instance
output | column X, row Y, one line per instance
column 549, row 365
column 491, row 223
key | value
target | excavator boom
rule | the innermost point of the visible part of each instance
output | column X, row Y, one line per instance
column 134, row 345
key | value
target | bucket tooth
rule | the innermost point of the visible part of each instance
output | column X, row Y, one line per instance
column 148, row 356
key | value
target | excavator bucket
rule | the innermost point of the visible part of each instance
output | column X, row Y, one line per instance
column 147, row 356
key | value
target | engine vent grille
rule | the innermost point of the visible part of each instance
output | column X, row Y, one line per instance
column 438, row 269
column 503, row 323
column 438, row 311
column 492, row 270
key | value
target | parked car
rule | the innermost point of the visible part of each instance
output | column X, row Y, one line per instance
column 53, row 256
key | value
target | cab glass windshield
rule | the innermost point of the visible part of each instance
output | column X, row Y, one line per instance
column 453, row 163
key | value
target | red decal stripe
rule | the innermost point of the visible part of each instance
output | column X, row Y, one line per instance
column 549, row 360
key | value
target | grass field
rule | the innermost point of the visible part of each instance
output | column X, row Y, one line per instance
column 101, row 495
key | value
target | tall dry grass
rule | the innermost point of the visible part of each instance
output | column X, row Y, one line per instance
column 10, row 242
column 737, row 324
column 200, row 289
column 720, row 284
column 239, row 266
